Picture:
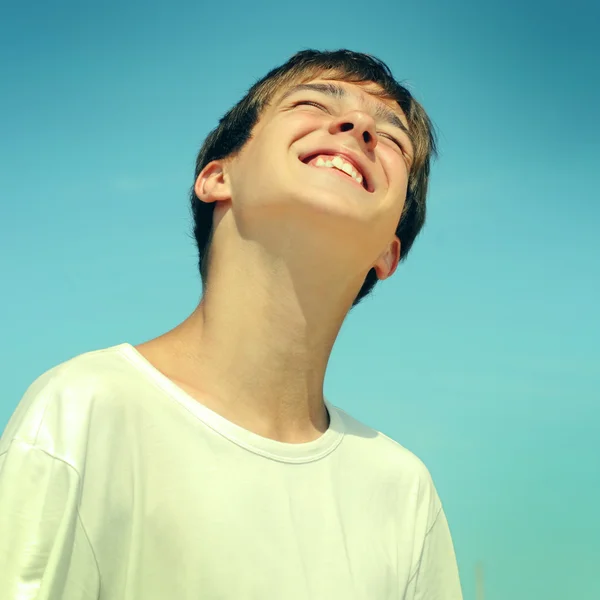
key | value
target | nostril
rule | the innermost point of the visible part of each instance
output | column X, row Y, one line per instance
column 346, row 126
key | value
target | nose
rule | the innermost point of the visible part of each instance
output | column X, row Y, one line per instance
column 358, row 124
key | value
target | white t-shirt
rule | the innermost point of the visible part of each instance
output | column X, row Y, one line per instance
column 117, row 485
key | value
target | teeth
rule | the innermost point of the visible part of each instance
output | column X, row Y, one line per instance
column 339, row 163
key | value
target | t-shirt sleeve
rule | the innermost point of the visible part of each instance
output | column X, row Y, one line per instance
column 44, row 551
column 436, row 576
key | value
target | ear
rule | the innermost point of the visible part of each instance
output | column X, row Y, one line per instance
column 212, row 184
column 386, row 264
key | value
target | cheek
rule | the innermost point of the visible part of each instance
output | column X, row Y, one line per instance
column 395, row 169
column 397, row 174
column 260, row 175
column 254, row 164
column 304, row 125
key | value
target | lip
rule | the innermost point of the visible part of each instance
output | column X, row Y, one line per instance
column 354, row 159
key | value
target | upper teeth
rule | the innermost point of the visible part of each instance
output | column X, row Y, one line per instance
column 340, row 164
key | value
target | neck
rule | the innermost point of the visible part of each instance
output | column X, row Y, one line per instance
column 256, row 348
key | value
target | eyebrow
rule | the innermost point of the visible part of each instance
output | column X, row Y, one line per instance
column 337, row 91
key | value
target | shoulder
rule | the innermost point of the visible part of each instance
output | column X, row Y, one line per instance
column 391, row 462
column 57, row 406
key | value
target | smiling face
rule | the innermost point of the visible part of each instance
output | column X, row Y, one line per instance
column 329, row 151
column 373, row 125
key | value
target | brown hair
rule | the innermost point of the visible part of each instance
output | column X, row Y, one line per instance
column 235, row 128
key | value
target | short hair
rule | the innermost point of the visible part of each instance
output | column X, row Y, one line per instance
column 235, row 128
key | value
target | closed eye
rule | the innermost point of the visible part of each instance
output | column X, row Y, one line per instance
column 392, row 138
column 405, row 154
column 310, row 103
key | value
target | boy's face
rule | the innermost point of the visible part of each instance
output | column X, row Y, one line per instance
column 331, row 151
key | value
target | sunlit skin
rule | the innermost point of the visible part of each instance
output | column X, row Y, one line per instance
column 292, row 246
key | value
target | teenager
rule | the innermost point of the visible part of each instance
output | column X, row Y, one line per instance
column 206, row 463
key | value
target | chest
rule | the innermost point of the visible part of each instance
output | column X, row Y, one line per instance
column 257, row 534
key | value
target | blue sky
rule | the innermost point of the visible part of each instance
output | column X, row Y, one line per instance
column 481, row 354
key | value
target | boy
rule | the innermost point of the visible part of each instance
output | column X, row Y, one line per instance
column 206, row 463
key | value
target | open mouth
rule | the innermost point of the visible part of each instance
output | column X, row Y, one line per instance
column 339, row 164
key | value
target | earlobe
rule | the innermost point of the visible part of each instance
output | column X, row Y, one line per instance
column 388, row 261
column 212, row 184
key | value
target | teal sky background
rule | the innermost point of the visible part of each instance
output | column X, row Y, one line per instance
column 481, row 355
